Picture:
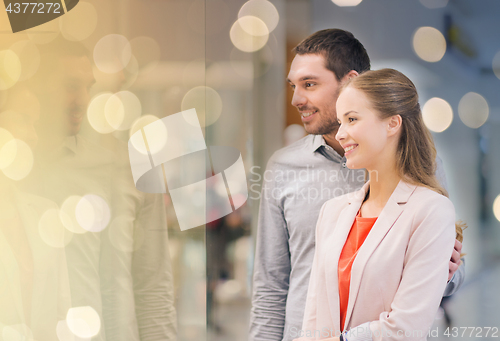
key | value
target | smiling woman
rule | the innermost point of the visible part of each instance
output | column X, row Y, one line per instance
column 400, row 220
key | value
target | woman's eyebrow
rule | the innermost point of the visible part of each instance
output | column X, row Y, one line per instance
column 350, row 111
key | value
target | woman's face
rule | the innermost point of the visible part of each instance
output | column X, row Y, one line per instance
column 366, row 139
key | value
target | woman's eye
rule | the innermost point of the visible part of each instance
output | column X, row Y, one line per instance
column 351, row 119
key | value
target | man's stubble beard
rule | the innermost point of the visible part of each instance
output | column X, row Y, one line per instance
column 328, row 123
column 326, row 126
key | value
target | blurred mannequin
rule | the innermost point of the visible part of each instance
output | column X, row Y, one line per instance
column 111, row 267
column 34, row 293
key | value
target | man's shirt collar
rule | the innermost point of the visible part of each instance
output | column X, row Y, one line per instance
column 319, row 145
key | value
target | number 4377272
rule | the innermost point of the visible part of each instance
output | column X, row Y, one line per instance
column 34, row 7
column 471, row 332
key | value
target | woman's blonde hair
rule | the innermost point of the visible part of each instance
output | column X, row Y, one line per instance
column 392, row 93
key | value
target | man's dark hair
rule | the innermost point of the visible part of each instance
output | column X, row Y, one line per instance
column 341, row 50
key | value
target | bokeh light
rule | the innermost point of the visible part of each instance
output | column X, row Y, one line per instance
column 346, row 3
column 156, row 141
column 262, row 9
column 253, row 26
column 206, row 101
column 67, row 214
column 10, row 69
column 83, row 322
column 496, row 207
column 96, row 114
column 473, row 110
column 429, row 44
column 64, row 333
column 131, row 73
column 496, row 64
column 22, row 164
column 112, row 53
column 434, row 3
column 93, row 213
column 146, row 50
column 114, row 111
column 52, row 230
column 122, row 110
column 8, row 151
column 245, row 41
column 17, row 332
column 293, row 133
column 29, row 57
column 437, row 114
column 79, row 23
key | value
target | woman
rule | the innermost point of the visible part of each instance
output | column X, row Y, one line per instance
column 382, row 253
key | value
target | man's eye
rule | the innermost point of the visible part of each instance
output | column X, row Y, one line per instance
column 292, row 86
column 308, row 85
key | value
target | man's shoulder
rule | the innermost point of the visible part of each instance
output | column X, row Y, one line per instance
column 295, row 152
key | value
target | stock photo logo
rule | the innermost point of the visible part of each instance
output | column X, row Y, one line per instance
column 205, row 183
column 24, row 15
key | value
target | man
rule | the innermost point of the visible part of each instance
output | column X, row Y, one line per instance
column 119, row 265
column 299, row 179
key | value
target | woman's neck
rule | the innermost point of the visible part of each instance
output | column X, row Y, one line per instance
column 383, row 182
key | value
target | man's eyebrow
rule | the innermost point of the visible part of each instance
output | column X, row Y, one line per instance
column 307, row 78
column 304, row 78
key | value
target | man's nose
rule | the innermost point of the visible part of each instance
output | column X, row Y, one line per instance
column 298, row 99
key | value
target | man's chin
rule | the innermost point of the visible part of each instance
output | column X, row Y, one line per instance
column 320, row 130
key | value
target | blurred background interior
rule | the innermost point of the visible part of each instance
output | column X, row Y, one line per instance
column 229, row 60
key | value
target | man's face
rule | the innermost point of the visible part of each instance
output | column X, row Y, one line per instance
column 68, row 94
column 315, row 93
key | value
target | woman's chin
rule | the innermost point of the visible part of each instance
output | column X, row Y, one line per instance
column 352, row 165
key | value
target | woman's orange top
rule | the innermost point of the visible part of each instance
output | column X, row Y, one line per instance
column 359, row 231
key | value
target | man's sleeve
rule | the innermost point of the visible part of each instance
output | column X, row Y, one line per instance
column 272, row 265
column 458, row 278
column 456, row 281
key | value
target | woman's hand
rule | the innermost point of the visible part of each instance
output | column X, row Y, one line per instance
column 455, row 259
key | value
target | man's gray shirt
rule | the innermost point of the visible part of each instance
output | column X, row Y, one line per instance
column 298, row 180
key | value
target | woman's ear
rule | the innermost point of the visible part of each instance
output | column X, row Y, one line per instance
column 394, row 125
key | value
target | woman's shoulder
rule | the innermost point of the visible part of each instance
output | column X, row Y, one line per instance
column 426, row 201
column 427, row 196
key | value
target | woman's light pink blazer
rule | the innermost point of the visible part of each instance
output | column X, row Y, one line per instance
column 399, row 274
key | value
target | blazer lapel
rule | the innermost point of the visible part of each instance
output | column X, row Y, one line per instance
column 339, row 236
column 384, row 223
